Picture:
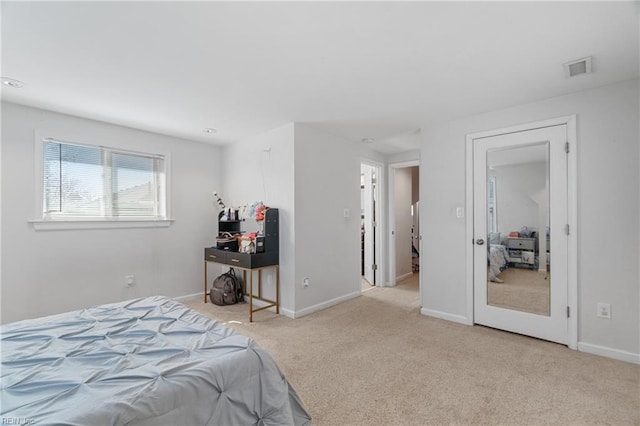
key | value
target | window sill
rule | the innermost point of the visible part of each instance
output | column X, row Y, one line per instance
column 61, row 225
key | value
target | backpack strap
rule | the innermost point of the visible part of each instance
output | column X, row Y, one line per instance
column 238, row 285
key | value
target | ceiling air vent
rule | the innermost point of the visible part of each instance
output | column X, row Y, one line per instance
column 580, row 66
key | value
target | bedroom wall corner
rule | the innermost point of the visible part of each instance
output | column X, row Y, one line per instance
column 261, row 168
column 48, row 272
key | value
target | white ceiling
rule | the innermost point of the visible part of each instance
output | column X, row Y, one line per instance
column 359, row 70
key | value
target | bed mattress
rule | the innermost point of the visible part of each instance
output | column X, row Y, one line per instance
column 146, row 361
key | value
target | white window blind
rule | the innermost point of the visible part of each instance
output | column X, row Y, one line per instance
column 82, row 181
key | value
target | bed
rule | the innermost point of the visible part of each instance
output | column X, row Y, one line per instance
column 498, row 261
column 149, row 361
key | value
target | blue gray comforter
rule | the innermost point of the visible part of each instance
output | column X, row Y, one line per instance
column 147, row 361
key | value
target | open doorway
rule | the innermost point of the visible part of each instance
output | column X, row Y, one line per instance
column 369, row 219
column 404, row 221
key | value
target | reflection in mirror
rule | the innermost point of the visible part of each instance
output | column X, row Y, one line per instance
column 518, row 224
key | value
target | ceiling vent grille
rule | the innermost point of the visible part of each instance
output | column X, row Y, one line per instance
column 578, row 67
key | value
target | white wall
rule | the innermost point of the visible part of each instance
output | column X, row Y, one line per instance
column 403, row 220
column 261, row 168
column 46, row 272
column 403, row 157
column 327, row 180
column 608, row 208
column 517, row 189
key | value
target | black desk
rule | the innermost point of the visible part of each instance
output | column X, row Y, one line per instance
column 247, row 263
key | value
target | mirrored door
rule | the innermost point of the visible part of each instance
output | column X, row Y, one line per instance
column 520, row 270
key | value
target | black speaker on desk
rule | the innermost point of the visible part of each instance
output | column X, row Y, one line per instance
column 271, row 235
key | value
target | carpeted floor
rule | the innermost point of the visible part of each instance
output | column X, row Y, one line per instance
column 375, row 360
column 523, row 290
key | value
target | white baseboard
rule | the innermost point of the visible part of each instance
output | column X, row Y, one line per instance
column 445, row 316
column 283, row 311
column 609, row 352
column 188, row 297
column 324, row 305
column 288, row 313
column 403, row 276
column 261, row 303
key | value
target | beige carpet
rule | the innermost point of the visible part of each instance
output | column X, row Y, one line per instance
column 375, row 360
column 523, row 290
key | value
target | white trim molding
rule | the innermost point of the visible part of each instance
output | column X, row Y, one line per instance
column 62, row 225
column 609, row 352
column 446, row 316
column 404, row 276
column 321, row 306
column 382, row 224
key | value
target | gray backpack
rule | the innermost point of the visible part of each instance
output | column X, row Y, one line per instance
column 226, row 289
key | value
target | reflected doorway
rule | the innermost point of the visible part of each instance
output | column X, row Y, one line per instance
column 406, row 222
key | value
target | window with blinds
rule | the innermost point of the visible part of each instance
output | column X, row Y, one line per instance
column 492, row 205
column 89, row 182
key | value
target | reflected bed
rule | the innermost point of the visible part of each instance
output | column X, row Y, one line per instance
column 498, row 261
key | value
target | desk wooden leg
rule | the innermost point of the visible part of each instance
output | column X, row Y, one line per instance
column 205, row 282
column 244, row 281
column 250, row 296
column 277, row 289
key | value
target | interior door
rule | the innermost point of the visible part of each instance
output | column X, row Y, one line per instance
column 369, row 218
column 520, row 219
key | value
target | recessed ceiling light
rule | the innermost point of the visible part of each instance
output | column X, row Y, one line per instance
column 367, row 140
column 16, row 84
column 209, row 130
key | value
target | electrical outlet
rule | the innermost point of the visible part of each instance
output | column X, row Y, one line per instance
column 305, row 282
column 130, row 280
column 604, row 310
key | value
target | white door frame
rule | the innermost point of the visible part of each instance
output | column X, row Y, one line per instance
column 380, row 219
column 391, row 215
column 572, row 284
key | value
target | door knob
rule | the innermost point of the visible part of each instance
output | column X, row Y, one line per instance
column 479, row 241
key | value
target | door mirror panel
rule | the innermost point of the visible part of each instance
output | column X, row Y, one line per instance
column 518, row 223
